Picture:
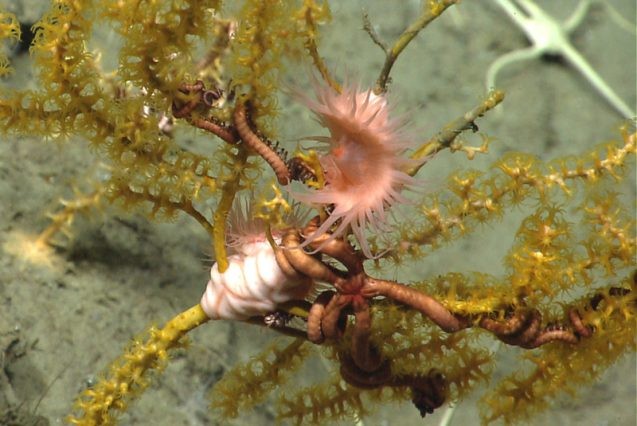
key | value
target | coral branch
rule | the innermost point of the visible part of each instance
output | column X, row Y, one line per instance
column 312, row 14
column 431, row 10
column 127, row 376
column 229, row 191
column 446, row 137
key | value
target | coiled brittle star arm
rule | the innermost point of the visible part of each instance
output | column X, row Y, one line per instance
column 422, row 302
column 200, row 97
column 259, row 146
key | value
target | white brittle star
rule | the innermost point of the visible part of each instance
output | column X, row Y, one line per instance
column 551, row 37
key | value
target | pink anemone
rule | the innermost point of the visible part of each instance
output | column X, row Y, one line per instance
column 364, row 167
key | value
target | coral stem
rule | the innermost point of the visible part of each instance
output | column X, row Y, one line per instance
column 126, row 378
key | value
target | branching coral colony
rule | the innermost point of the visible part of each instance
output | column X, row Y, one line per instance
column 567, row 299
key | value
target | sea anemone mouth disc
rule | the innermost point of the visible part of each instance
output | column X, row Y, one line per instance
column 363, row 167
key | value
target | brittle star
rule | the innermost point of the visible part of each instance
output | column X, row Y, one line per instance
column 551, row 37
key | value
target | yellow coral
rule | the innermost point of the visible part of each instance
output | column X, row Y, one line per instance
column 556, row 267
column 127, row 377
column 9, row 29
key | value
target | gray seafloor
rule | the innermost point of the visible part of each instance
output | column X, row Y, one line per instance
column 62, row 325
